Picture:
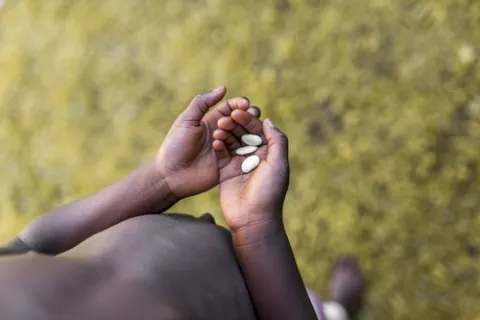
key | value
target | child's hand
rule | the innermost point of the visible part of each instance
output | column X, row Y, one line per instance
column 186, row 159
column 252, row 205
column 256, row 198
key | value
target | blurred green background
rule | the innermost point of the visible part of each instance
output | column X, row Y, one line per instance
column 380, row 99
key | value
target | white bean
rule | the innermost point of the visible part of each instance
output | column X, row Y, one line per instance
column 250, row 163
column 246, row 150
column 251, row 139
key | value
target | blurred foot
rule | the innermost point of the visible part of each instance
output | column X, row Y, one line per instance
column 348, row 285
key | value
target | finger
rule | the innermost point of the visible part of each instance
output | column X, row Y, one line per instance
column 254, row 111
column 222, row 153
column 227, row 106
column 200, row 105
column 227, row 124
column 219, row 145
column 251, row 124
column 227, row 137
column 277, row 144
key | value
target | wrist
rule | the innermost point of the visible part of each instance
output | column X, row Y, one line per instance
column 251, row 218
column 156, row 187
column 258, row 233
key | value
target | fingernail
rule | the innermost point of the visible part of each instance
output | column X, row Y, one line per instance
column 217, row 90
column 269, row 123
column 257, row 110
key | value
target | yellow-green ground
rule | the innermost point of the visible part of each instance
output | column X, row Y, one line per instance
column 380, row 99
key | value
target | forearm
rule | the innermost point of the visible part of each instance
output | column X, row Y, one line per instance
column 62, row 229
column 271, row 273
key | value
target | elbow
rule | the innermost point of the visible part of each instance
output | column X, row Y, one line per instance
column 15, row 246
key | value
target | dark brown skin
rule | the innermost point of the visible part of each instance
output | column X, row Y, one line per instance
column 101, row 279
column 186, row 157
column 185, row 165
column 148, row 267
column 253, row 207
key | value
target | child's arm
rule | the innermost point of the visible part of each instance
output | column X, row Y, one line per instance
column 184, row 166
column 252, row 205
column 272, row 275
column 143, row 191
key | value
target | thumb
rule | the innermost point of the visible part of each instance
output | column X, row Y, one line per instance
column 277, row 144
column 200, row 105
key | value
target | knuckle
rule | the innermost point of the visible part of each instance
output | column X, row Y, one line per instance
column 198, row 98
column 200, row 102
column 229, row 104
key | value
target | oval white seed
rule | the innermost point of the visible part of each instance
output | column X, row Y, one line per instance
column 252, row 140
column 246, row 150
column 250, row 163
